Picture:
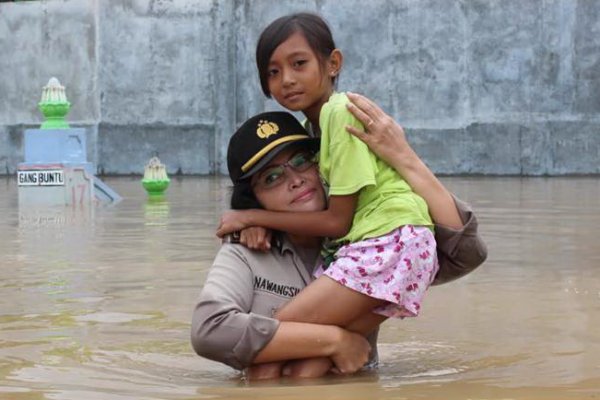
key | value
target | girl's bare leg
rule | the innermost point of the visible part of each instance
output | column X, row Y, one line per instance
column 325, row 301
column 365, row 324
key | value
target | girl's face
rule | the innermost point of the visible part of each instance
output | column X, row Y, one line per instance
column 290, row 182
column 298, row 79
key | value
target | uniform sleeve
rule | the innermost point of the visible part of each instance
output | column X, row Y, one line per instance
column 352, row 166
column 459, row 251
column 223, row 328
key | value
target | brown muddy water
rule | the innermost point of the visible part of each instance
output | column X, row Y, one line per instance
column 96, row 304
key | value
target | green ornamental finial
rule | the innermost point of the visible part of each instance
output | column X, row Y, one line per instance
column 155, row 179
column 54, row 105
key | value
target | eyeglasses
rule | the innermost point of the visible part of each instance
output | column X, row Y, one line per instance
column 275, row 175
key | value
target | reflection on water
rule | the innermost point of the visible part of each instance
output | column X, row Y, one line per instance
column 96, row 304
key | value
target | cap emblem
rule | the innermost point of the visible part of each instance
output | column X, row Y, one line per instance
column 266, row 129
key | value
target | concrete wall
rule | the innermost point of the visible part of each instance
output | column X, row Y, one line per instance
column 482, row 87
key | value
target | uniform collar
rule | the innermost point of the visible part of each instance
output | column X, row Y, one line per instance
column 282, row 243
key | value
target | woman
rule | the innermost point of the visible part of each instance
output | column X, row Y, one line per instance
column 270, row 161
column 233, row 320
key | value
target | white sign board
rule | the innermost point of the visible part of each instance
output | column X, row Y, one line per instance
column 52, row 177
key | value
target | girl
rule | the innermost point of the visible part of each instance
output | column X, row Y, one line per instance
column 385, row 251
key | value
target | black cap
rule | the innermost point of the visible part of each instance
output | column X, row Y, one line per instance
column 261, row 138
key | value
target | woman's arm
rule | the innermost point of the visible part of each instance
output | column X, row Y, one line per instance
column 298, row 340
column 461, row 248
column 224, row 328
column 386, row 138
column 333, row 222
column 459, row 251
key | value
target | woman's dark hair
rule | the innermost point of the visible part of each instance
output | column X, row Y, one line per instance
column 311, row 26
column 242, row 196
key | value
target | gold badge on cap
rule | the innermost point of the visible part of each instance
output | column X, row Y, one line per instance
column 266, row 129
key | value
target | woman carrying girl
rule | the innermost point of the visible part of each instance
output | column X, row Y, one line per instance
column 233, row 320
column 385, row 251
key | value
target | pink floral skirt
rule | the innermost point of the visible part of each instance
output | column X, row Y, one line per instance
column 397, row 267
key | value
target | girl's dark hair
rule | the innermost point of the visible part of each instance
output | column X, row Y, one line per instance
column 242, row 196
column 311, row 26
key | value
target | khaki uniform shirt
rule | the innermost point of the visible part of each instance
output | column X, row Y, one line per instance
column 233, row 318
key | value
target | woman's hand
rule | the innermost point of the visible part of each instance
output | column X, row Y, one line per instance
column 232, row 221
column 256, row 238
column 386, row 139
column 384, row 136
column 351, row 352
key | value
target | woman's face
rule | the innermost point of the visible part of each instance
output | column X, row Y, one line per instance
column 294, row 186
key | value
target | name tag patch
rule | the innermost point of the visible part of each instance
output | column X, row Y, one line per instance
column 266, row 285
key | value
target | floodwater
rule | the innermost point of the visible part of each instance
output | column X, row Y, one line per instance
column 96, row 304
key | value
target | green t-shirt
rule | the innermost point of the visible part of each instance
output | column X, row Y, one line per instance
column 385, row 200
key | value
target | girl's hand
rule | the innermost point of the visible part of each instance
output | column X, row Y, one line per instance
column 384, row 136
column 232, row 221
column 256, row 238
column 351, row 353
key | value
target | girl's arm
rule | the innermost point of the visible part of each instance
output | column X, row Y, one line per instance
column 333, row 222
